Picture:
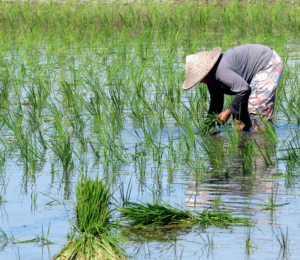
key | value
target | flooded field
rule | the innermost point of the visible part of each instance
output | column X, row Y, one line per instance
column 104, row 102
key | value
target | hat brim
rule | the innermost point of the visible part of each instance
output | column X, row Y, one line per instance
column 193, row 74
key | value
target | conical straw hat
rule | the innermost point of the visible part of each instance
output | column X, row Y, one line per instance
column 198, row 65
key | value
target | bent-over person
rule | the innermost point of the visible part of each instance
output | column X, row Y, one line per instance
column 251, row 72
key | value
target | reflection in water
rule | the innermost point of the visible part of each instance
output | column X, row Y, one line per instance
column 230, row 179
column 164, row 240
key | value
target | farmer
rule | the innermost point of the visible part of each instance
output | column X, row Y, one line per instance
column 251, row 72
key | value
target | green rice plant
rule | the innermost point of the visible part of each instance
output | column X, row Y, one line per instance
column 4, row 90
column 3, row 187
column 69, row 92
column 113, row 147
column 125, row 196
column 175, row 114
column 63, row 149
column 198, row 167
column 265, row 152
column 78, row 123
column 213, row 148
column 29, row 152
column 44, row 237
column 216, row 202
column 58, row 124
column 283, row 240
column 2, row 160
column 142, row 164
column 233, row 138
column 37, row 98
column 247, row 157
column 189, row 132
column 292, row 149
column 3, row 238
column 157, row 154
column 96, row 235
column 36, row 125
column 249, row 239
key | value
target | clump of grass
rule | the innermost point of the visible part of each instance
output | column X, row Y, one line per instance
column 96, row 235
column 161, row 214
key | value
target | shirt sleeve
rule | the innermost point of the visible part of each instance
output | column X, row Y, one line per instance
column 238, row 86
column 216, row 99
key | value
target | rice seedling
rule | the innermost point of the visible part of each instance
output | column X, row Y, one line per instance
column 96, row 236
column 44, row 237
column 29, row 152
column 292, row 157
column 265, row 151
column 3, row 238
column 213, row 148
column 63, row 149
column 249, row 239
column 217, row 201
column 247, row 157
column 125, row 196
column 269, row 132
column 157, row 154
column 198, row 167
column 283, row 240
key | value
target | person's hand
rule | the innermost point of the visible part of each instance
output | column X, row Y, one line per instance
column 224, row 116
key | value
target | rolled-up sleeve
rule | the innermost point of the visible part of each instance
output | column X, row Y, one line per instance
column 237, row 86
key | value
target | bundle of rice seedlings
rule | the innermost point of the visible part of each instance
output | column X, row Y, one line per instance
column 208, row 124
column 96, row 237
column 155, row 215
column 161, row 214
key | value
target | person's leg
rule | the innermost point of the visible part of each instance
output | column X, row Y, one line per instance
column 259, row 123
column 242, row 121
column 263, row 93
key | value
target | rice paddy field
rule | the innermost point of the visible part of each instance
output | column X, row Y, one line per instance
column 93, row 89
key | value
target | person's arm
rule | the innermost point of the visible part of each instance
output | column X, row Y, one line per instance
column 216, row 99
column 238, row 86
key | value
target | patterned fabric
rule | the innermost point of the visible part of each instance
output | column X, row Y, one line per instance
column 263, row 89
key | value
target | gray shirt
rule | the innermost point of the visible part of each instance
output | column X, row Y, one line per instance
column 233, row 73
